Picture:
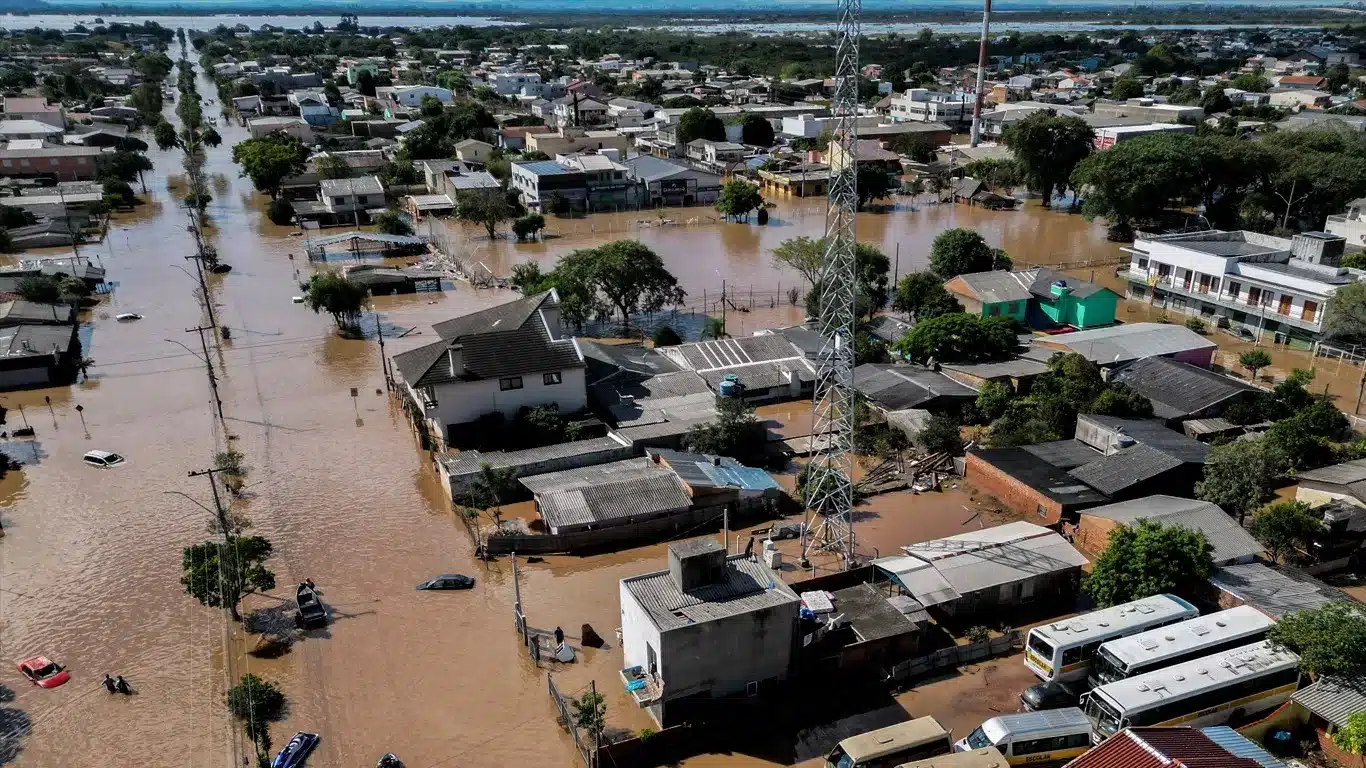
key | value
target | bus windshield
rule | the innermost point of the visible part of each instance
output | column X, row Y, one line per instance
column 1105, row 718
column 839, row 759
column 1106, row 668
column 978, row 739
column 1041, row 646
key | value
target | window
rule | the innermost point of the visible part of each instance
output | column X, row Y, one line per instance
column 994, row 310
column 24, row 162
column 511, row 382
column 1311, row 309
column 1254, row 296
column 1234, row 289
column 1143, row 264
column 361, row 199
column 339, row 201
column 1284, row 307
column 1042, row 512
column 551, row 378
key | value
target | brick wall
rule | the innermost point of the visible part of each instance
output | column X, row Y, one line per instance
column 1331, row 750
column 1011, row 492
column 1092, row 534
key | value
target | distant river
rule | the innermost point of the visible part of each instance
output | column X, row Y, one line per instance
column 1001, row 21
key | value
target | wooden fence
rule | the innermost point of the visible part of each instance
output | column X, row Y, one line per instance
column 952, row 657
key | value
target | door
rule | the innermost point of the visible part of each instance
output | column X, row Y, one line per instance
column 1186, row 283
column 1204, row 283
column 1311, row 310
column 1284, row 307
column 1254, row 296
column 651, row 662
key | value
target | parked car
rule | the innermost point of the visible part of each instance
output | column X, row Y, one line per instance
column 448, row 581
column 43, row 672
column 103, row 459
column 1050, row 695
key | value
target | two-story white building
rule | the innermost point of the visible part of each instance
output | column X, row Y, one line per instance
column 926, row 106
column 343, row 197
column 412, row 95
column 498, row 360
column 1350, row 225
column 1261, row 283
column 508, row 83
column 712, row 626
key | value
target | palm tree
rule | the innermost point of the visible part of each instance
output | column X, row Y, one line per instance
column 714, row 328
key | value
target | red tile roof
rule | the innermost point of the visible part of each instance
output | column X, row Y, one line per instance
column 1302, row 80
column 1181, row 747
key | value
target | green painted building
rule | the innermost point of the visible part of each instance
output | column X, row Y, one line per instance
column 1037, row 298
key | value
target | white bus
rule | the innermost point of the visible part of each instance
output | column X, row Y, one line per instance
column 1062, row 650
column 1208, row 691
column 1190, row 639
column 906, row 742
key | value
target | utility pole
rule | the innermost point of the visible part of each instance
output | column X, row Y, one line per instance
column 208, row 363
column 383, row 360
column 218, row 510
column 981, row 75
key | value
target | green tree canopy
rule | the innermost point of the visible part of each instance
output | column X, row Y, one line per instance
column 756, row 130
column 1135, row 181
column 1285, row 527
column 738, row 198
column 485, row 207
column 1346, row 321
column 700, row 123
column 630, row 275
column 958, row 337
column 1254, row 360
column 339, row 297
column 122, row 166
column 1125, row 88
column 873, row 183
column 996, row 173
column 390, row 223
column 1352, row 737
column 165, row 136
column 1048, row 148
column 1241, row 475
column 921, row 295
column 1329, row 639
column 332, row 167
column 220, row 574
column 269, row 160
column 735, row 432
column 961, row 251
column 1149, row 559
column 916, row 146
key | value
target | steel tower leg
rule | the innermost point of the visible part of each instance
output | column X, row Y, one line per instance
column 829, row 489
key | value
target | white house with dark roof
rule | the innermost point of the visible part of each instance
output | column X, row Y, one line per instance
column 498, row 360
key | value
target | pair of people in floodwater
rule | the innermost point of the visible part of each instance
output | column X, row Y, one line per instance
column 117, row 686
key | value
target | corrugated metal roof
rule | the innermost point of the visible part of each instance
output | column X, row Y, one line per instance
column 1338, row 474
column 1334, row 698
column 727, row 353
column 469, row 462
column 746, row 586
column 763, row 375
column 1274, row 591
column 1178, row 389
column 1064, row 453
column 1229, row 540
column 368, row 237
column 1125, row 469
column 614, row 502
column 972, row 561
column 1239, row 745
column 899, row 387
column 580, row 477
column 544, row 167
column 1131, row 341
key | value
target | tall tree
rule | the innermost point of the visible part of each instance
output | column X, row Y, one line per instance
column 916, row 146
column 1048, row 148
column 220, row 574
column 873, row 183
column 488, row 208
column 1240, row 476
column 1135, row 181
column 738, row 198
column 1149, row 559
column 802, row 254
column 1329, row 639
column 959, row 338
column 632, row 277
column 735, row 432
column 700, row 123
column 960, row 251
column 339, row 297
column 756, row 130
column 1346, row 320
column 332, row 167
column 921, row 295
column 1285, row 527
column 269, row 160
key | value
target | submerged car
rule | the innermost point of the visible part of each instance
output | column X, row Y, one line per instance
column 43, row 672
column 296, row 751
column 102, row 459
column 448, row 581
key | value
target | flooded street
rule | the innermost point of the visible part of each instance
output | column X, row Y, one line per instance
column 90, row 561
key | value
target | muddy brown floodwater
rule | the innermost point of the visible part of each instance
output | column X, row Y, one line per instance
column 90, row 561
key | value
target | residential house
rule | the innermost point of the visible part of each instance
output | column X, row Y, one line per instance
column 668, row 183
column 353, row 72
column 578, row 111
column 1038, row 298
column 1296, row 98
column 766, row 368
column 567, row 140
column 1350, row 225
column 711, row 626
column 927, row 106
column 716, row 155
column 513, row 137
column 1302, row 82
column 1181, row 391
column 34, row 108
column 897, row 387
column 21, row 129
column 115, row 114
column 411, row 96
column 350, row 199
column 1232, row 544
column 461, row 470
column 1111, row 459
column 1263, row 283
column 63, row 163
column 37, row 355
column 451, row 178
column 294, row 126
column 580, row 182
column 1150, row 110
column 869, row 152
column 1272, row 589
column 498, row 360
column 1328, row 704
column 1115, row 345
column 984, row 572
column 509, row 83
column 473, row 151
column 1176, row 746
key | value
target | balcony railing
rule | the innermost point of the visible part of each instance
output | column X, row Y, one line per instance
column 1270, row 311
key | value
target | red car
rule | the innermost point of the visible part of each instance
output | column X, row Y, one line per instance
column 43, row 672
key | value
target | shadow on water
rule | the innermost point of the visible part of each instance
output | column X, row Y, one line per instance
column 15, row 725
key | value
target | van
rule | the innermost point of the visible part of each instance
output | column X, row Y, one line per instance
column 1050, row 737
